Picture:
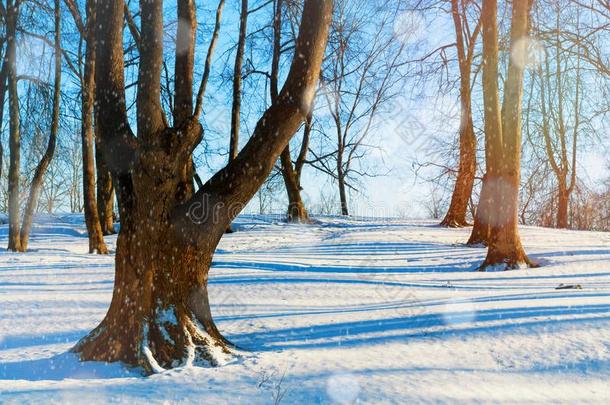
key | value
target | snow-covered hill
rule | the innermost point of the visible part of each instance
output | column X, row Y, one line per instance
column 345, row 311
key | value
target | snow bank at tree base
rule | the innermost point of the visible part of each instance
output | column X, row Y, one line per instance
column 345, row 311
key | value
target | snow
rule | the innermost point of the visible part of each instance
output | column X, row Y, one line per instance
column 343, row 311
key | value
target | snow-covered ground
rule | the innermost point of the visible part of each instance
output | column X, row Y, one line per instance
column 345, row 311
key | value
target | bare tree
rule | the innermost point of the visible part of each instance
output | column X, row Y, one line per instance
column 3, row 85
column 12, row 15
column 361, row 75
column 465, row 44
column 292, row 178
column 237, row 79
column 87, row 81
column 43, row 165
column 160, row 314
column 504, row 125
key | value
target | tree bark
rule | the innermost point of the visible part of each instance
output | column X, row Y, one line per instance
column 505, row 247
column 481, row 231
column 105, row 192
column 92, row 219
column 14, row 239
column 483, row 216
column 456, row 215
column 150, row 116
column 160, row 316
column 185, row 60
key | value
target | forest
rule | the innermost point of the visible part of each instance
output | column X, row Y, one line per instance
column 249, row 201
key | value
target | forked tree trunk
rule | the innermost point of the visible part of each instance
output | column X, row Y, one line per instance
column 297, row 213
column 92, row 219
column 505, row 247
column 14, row 239
column 456, row 215
column 160, row 315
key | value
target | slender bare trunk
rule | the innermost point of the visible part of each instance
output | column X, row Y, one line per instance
column 92, row 219
column 456, row 215
column 3, row 76
column 237, row 74
column 45, row 161
column 342, row 191
column 563, row 166
column 14, row 240
column 296, row 209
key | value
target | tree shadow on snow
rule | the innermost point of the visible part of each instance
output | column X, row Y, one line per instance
column 64, row 366
column 428, row 325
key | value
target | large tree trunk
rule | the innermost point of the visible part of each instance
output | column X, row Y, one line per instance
column 14, row 239
column 160, row 314
column 45, row 161
column 456, row 215
column 505, row 247
column 92, row 219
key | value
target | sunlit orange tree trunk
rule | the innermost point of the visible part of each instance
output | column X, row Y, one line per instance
column 160, row 315
column 504, row 247
column 456, row 215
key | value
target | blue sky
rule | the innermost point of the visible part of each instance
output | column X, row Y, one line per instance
column 409, row 132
